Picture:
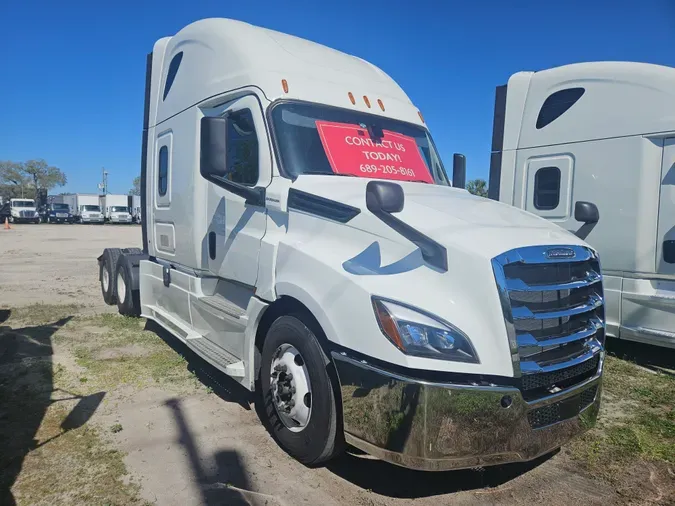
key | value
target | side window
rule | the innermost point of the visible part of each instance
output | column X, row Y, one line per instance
column 547, row 188
column 242, row 148
column 558, row 104
column 163, row 171
column 171, row 74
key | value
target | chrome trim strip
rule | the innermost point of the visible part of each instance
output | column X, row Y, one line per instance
column 525, row 313
column 537, row 255
column 505, row 303
column 529, row 341
column 518, row 285
column 532, row 367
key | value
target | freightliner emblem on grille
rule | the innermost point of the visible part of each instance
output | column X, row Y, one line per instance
column 560, row 253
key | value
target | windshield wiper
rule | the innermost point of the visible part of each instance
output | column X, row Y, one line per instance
column 323, row 173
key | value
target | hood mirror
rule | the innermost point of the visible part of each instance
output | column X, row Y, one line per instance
column 588, row 214
column 382, row 196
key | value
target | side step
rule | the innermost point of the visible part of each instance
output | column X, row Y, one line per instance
column 230, row 364
column 221, row 304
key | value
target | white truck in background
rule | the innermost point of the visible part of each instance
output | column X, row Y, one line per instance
column 85, row 207
column 115, row 208
column 386, row 310
column 602, row 132
column 23, row 211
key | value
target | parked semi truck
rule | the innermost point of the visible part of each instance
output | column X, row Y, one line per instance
column 599, row 132
column 23, row 211
column 115, row 208
column 85, row 207
column 387, row 309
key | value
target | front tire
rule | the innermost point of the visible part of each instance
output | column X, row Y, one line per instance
column 301, row 411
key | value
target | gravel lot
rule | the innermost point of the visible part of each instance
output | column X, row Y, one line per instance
column 188, row 434
column 56, row 264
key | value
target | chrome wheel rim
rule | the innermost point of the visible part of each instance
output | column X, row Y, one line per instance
column 291, row 387
column 105, row 279
column 121, row 288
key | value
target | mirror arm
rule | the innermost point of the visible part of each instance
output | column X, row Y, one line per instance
column 254, row 196
column 432, row 252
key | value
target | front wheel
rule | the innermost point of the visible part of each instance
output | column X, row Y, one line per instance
column 299, row 396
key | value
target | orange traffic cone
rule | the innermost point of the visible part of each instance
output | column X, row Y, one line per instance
column 7, row 227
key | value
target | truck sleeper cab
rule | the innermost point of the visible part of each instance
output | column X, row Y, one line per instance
column 383, row 308
column 598, row 132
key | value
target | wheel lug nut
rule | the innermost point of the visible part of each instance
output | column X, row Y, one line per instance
column 277, row 368
column 292, row 390
column 284, row 368
column 289, row 376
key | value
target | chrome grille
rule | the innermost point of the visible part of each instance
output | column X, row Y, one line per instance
column 554, row 314
column 26, row 214
column 559, row 411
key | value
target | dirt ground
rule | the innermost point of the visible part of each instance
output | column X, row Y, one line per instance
column 110, row 410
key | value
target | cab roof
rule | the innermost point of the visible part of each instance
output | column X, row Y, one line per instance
column 612, row 99
column 212, row 56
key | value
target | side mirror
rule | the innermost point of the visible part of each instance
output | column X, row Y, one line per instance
column 458, row 170
column 586, row 212
column 213, row 143
column 384, row 197
column 213, row 160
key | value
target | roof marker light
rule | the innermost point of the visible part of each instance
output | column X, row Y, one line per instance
column 420, row 115
column 365, row 99
column 284, row 85
column 381, row 104
column 351, row 97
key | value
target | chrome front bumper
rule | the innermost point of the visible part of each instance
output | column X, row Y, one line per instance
column 440, row 426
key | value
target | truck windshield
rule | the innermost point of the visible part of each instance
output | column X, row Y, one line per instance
column 91, row 208
column 60, row 207
column 317, row 139
column 119, row 209
column 23, row 203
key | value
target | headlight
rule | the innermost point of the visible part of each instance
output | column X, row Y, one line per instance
column 15, row 213
column 421, row 334
column 35, row 214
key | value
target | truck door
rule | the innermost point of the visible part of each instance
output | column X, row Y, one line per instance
column 548, row 187
column 235, row 228
column 665, row 239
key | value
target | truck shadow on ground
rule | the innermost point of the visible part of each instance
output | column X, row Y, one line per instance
column 656, row 358
column 26, row 392
column 401, row 483
column 355, row 467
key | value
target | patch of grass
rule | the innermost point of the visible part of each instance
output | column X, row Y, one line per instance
column 44, row 313
column 74, row 467
column 116, row 427
column 644, row 430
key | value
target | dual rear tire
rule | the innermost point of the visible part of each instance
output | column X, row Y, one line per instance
column 116, row 279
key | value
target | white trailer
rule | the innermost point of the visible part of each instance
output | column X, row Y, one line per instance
column 134, row 203
column 388, row 293
column 600, row 132
column 84, row 206
column 115, row 208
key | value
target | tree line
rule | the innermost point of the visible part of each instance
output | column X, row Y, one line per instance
column 25, row 179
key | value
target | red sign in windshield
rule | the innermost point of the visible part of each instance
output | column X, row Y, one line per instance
column 351, row 150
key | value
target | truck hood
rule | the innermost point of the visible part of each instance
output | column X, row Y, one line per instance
column 336, row 268
column 452, row 217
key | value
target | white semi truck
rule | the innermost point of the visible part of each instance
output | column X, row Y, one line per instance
column 115, row 208
column 384, row 308
column 599, row 132
column 23, row 211
column 85, row 207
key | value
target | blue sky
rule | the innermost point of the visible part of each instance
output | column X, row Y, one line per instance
column 72, row 73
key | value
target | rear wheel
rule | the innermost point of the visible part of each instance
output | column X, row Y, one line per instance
column 128, row 300
column 298, row 394
column 107, row 265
